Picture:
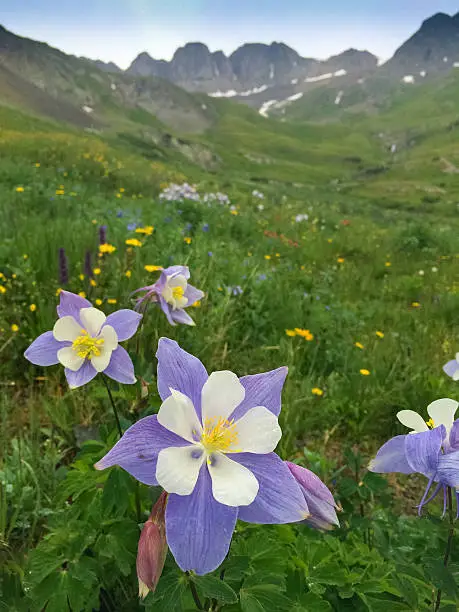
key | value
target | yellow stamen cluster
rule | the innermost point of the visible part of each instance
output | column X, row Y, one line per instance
column 430, row 424
column 219, row 435
column 177, row 292
column 86, row 346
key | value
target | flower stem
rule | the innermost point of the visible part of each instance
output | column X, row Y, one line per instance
column 112, row 401
column 194, row 592
column 449, row 542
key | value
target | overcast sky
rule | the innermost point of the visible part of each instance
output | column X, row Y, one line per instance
column 118, row 30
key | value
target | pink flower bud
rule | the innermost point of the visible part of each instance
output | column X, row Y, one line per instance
column 152, row 548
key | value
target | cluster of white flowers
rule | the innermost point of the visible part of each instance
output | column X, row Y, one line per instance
column 300, row 218
column 185, row 191
column 258, row 194
column 221, row 198
column 179, row 193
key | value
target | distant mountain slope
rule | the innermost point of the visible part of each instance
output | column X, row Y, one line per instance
column 433, row 48
column 55, row 80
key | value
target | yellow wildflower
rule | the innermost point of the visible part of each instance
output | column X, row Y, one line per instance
column 380, row 334
column 317, row 391
column 365, row 372
column 2, row 276
column 304, row 333
column 359, row 345
column 388, row 264
column 93, row 283
column 19, row 189
column 33, row 307
column 415, row 304
column 37, row 165
column 14, row 328
column 290, row 332
column 106, row 248
column 99, row 302
column 111, row 301
column 147, row 230
column 234, row 212
column 14, row 276
column 82, row 294
column 122, row 190
column 2, row 289
column 330, row 240
column 277, row 254
column 97, row 271
column 81, row 277
column 197, row 304
column 128, row 274
column 268, row 257
column 58, row 291
column 340, row 260
column 149, row 268
column 187, row 239
column 60, row 192
column 133, row 242
column 25, row 256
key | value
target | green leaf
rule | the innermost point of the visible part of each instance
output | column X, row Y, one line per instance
column 263, row 598
column 168, row 595
column 117, row 488
column 310, row 602
column 441, row 576
column 41, row 564
column 214, row 588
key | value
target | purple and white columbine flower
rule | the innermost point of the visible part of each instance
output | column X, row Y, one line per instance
column 432, row 452
column 173, row 293
column 211, row 448
column 85, row 342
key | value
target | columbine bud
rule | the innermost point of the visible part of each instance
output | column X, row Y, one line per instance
column 320, row 501
column 152, row 548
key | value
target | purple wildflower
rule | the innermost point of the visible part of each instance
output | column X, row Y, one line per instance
column 322, row 506
column 102, row 234
column 85, row 342
column 87, row 268
column 131, row 226
column 210, row 254
column 173, row 293
column 63, row 267
column 205, row 227
column 431, row 452
column 211, row 448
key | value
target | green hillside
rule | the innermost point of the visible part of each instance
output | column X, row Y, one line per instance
column 331, row 255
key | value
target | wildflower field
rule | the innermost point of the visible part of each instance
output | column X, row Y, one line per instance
column 356, row 296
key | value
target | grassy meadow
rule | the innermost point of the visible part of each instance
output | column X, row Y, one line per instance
column 363, row 261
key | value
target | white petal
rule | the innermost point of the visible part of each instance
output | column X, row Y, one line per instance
column 442, row 412
column 69, row 359
column 92, row 319
column 220, row 395
column 100, row 362
column 177, row 281
column 258, row 432
column 110, row 337
column 180, row 303
column 232, row 483
column 177, row 414
column 413, row 420
column 178, row 468
column 455, row 376
column 457, row 357
column 67, row 329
